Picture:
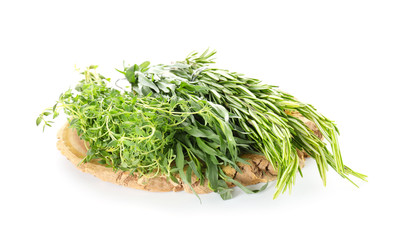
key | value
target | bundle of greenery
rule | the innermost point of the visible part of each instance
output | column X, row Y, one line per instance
column 191, row 126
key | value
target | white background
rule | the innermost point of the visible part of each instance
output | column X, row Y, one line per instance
column 337, row 55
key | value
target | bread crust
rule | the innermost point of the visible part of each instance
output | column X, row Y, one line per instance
column 257, row 171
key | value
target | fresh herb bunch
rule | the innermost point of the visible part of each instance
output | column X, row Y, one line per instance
column 190, row 118
column 124, row 131
column 260, row 113
column 149, row 135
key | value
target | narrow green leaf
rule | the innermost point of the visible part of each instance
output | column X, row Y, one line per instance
column 38, row 120
column 130, row 73
column 143, row 81
column 207, row 149
column 224, row 190
column 144, row 66
column 102, row 162
column 189, row 174
column 222, row 111
column 212, row 173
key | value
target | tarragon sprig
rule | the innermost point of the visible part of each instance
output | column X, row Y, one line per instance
column 259, row 112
